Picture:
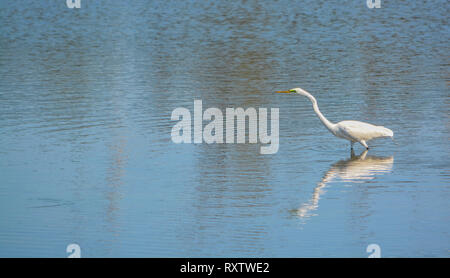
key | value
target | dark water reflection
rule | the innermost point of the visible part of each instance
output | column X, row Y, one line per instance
column 86, row 155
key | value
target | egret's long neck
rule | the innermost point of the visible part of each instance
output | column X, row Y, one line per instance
column 329, row 125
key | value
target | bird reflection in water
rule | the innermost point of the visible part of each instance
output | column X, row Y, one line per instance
column 356, row 169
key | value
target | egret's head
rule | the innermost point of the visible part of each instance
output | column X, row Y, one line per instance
column 299, row 91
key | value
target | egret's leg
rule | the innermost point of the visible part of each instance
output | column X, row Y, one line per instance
column 362, row 142
column 351, row 145
column 363, row 155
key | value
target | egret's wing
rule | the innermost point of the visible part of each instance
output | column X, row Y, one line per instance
column 363, row 131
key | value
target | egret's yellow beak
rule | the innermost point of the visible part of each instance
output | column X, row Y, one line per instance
column 283, row 92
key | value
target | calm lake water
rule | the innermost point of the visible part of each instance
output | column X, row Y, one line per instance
column 86, row 156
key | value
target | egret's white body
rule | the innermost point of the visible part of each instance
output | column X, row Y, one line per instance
column 354, row 131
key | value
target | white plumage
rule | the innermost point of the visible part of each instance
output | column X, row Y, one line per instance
column 354, row 131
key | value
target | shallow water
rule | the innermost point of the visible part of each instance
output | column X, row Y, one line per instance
column 86, row 156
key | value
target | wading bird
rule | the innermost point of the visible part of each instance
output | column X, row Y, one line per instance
column 354, row 131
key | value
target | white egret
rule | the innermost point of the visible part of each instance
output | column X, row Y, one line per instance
column 354, row 131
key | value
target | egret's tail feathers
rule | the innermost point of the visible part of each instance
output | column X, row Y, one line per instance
column 386, row 132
